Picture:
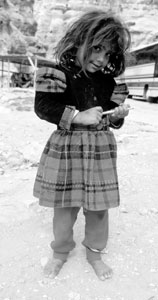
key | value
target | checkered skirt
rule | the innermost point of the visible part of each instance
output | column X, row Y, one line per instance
column 78, row 169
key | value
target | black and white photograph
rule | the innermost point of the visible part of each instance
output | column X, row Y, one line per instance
column 78, row 150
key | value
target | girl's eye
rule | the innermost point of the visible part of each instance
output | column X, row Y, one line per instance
column 97, row 49
column 108, row 54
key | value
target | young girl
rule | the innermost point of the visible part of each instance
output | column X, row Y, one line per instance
column 78, row 165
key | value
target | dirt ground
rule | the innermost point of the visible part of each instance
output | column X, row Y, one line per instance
column 26, row 228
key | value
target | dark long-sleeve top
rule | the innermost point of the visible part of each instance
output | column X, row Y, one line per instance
column 60, row 92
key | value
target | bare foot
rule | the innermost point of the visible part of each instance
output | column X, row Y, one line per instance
column 53, row 267
column 102, row 270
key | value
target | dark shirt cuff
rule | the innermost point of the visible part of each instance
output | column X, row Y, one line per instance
column 118, row 124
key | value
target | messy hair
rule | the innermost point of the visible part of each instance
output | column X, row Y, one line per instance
column 95, row 28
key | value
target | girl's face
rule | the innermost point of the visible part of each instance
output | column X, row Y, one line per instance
column 98, row 59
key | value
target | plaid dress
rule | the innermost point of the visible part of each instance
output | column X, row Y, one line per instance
column 78, row 166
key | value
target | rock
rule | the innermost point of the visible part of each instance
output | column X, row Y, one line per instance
column 31, row 152
column 44, row 261
column 123, row 210
column 154, row 210
column 33, row 18
column 74, row 296
column 143, row 212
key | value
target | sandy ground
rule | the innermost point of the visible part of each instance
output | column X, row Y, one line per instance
column 26, row 228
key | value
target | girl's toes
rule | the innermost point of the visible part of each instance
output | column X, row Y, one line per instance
column 102, row 270
column 53, row 267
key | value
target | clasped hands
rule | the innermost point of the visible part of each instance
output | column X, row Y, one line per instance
column 93, row 116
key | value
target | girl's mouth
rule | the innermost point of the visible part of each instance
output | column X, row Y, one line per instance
column 92, row 67
column 96, row 66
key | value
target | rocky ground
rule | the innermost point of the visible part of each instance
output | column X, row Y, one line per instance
column 26, row 228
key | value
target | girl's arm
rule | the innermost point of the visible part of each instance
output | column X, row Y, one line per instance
column 50, row 98
column 121, row 110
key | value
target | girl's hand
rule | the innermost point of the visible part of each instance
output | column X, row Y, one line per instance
column 91, row 116
column 120, row 112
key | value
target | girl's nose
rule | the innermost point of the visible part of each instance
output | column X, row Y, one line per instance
column 101, row 57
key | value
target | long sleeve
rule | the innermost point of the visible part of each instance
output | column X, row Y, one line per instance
column 50, row 98
column 119, row 95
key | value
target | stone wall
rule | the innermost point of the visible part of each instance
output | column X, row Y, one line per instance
column 53, row 17
column 36, row 25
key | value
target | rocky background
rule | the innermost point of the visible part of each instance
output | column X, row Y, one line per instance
column 35, row 26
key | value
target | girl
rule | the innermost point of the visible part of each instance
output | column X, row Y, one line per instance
column 78, row 165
